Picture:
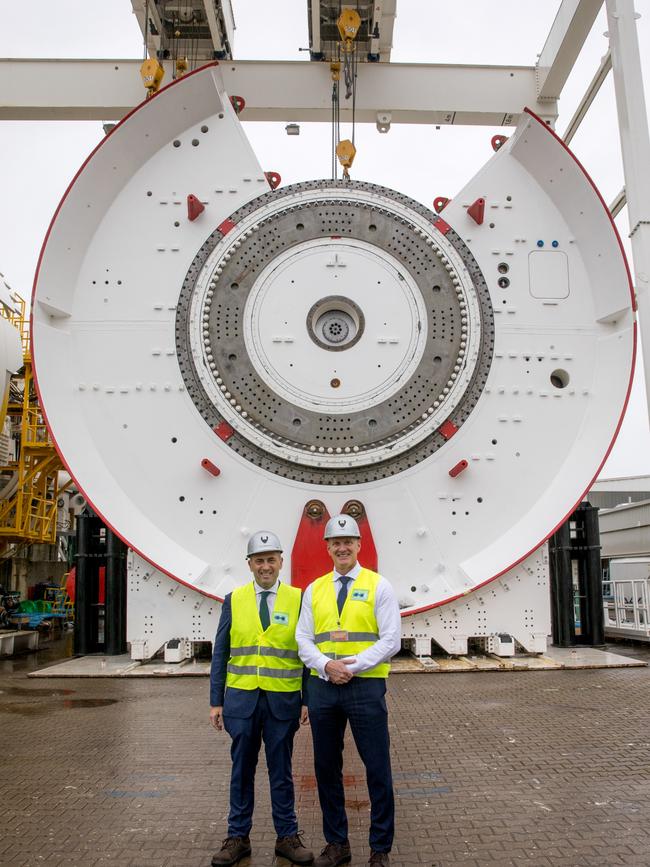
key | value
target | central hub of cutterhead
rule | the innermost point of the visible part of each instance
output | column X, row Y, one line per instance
column 307, row 335
column 335, row 329
column 335, row 323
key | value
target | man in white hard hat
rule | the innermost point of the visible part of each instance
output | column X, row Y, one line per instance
column 349, row 628
column 256, row 683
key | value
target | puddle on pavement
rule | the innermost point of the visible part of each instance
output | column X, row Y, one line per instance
column 71, row 703
column 31, row 709
column 22, row 690
column 42, row 708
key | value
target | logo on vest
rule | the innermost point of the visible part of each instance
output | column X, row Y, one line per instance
column 359, row 595
column 281, row 618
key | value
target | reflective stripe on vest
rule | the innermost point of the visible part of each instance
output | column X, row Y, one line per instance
column 264, row 659
column 355, row 629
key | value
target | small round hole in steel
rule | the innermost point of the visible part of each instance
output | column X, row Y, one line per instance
column 560, row 379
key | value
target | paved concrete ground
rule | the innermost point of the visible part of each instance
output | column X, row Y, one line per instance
column 541, row 768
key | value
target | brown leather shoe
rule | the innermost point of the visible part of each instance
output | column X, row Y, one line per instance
column 379, row 858
column 334, row 854
column 233, row 849
column 293, row 850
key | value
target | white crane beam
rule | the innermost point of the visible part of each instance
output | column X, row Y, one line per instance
column 563, row 44
column 281, row 91
column 590, row 94
column 635, row 149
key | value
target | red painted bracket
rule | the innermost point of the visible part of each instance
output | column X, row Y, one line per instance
column 498, row 141
column 207, row 464
column 226, row 227
column 368, row 553
column 460, row 467
column 274, row 179
column 448, row 429
column 238, row 103
column 477, row 211
column 223, row 431
column 194, row 207
column 441, row 226
column 309, row 557
column 440, row 203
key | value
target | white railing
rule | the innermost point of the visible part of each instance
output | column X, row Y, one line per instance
column 626, row 603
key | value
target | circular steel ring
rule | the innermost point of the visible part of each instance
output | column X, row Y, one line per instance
column 336, row 447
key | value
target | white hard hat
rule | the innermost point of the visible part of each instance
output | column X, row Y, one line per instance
column 263, row 541
column 341, row 525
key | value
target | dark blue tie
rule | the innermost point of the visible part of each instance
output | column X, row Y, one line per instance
column 343, row 592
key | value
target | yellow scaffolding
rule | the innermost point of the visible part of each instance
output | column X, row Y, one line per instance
column 29, row 512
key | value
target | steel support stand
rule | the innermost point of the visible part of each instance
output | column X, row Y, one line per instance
column 86, row 579
column 559, row 546
column 635, row 148
column 115, row 620
column 577, row 553
column 592, row 577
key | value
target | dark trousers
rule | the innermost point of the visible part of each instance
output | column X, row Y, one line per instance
column 362, row 703
column 247, row 735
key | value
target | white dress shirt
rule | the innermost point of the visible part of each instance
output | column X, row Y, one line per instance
column 389, row 625
column 270, row 599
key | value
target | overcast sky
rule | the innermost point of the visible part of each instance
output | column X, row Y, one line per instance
column 37, row 159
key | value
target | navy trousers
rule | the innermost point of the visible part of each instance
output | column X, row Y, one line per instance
column 247, row 735
column 362, row 703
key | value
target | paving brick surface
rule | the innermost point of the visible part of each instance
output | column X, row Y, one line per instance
column 550, row 769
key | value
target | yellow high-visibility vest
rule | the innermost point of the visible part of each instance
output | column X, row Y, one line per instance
column 264, row 658
column 355, row 629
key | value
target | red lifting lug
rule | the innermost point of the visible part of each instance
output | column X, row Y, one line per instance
column 223, row 431
column 207, row 464
column 477, row 211
column 458, row 469
column 274, row 179
column 194, row 207
column 440, row 203
column 448, row 429
column 498, row 141
column 309, row 557
column 238, row 103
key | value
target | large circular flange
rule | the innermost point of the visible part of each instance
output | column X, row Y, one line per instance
column 334, row 329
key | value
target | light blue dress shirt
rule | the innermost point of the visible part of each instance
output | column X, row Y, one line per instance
column 389, row 624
